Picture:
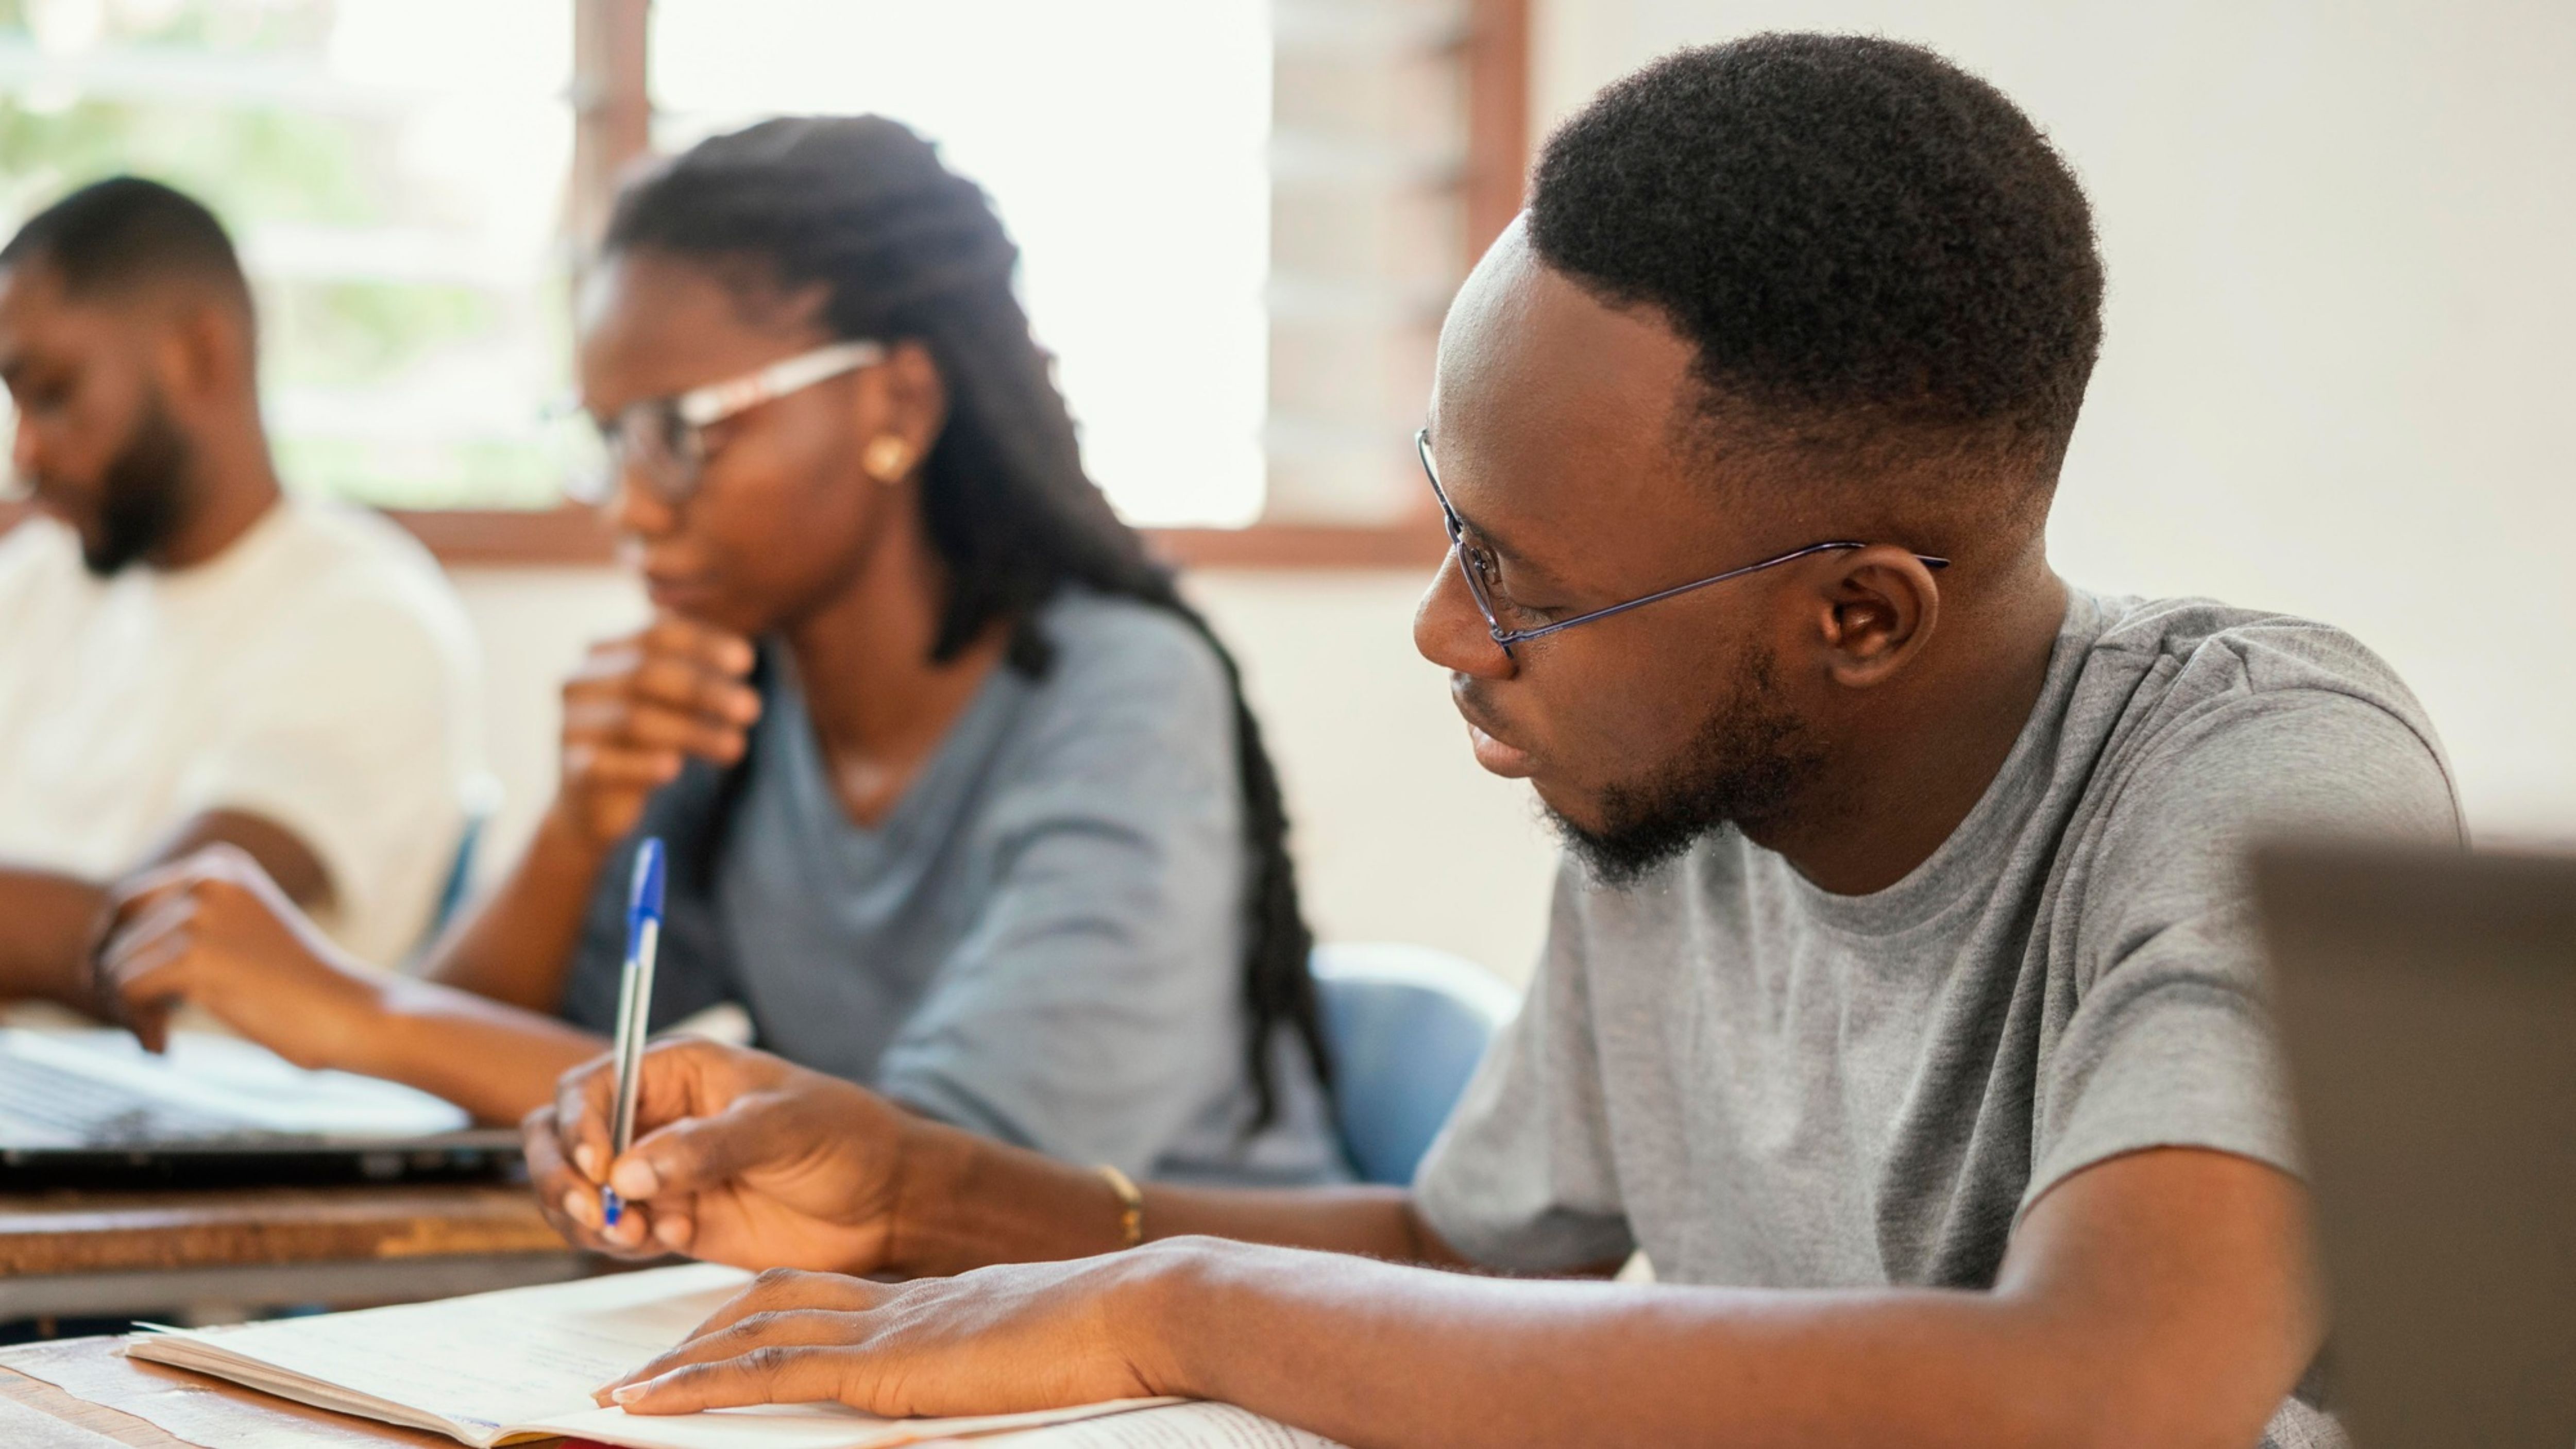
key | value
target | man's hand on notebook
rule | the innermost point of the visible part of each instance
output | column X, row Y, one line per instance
column 739, row 1158
column 1004, row 1339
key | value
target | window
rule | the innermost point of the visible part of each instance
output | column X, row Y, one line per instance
column 1122, row 141
column 393, row 173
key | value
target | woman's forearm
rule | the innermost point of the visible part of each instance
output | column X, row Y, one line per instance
column 497, row 1061
column 517, row 944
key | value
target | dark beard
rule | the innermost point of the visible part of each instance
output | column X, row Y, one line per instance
column 1749, row 760
column 139, row 494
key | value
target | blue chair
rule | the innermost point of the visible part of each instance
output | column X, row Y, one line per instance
column 1406, row 1026
column 479, row 799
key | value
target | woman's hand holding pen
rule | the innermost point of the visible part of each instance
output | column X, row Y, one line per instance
column 739, row 1158
column 637, row 709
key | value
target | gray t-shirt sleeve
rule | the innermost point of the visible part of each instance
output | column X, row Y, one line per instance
column 1091, row 1008
column 1521, row 1178
column 2170, row 1042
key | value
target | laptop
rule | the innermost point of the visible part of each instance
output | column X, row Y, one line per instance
column 2427, row 1000
column 93, row 1109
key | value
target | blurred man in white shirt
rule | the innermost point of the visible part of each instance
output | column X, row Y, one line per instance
column 190, row 657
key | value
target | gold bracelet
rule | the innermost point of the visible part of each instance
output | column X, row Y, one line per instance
column 1131, row 1204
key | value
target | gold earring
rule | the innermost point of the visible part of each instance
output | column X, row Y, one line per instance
column 886, row 458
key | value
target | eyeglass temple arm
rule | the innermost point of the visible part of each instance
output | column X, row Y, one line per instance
column 1509, row 637
column 718, row 401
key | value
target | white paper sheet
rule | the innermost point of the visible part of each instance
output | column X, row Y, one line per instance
column 1179, row 1426
column 807, row 1426
column 521, row 1363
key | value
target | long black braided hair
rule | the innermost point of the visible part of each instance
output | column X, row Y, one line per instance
column 904, row 248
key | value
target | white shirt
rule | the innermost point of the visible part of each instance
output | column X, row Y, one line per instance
column 319, row 673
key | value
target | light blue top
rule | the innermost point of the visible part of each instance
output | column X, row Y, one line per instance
column 1044, row 941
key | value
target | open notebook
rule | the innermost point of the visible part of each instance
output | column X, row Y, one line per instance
column 496, row 1368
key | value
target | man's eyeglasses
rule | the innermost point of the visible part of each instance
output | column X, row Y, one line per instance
column 663, row 440
column 1477, row 566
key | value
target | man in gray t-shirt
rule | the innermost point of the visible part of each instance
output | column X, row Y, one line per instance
column 1899, row 1003
column 1765, row 1084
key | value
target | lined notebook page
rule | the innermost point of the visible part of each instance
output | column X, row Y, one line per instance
column 521, row 1363
column 468, row 1365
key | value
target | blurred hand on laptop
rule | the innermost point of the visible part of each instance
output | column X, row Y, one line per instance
column 214, row 930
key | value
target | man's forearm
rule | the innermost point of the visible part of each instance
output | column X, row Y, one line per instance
column 1372, row 1222
column 1369, row 1352
column 965, row 1202
column 46, row 921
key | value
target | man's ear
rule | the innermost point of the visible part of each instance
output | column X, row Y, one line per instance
column 1877, row 613
column 207, row 354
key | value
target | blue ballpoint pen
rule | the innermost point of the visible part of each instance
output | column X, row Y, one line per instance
column 634, row 1003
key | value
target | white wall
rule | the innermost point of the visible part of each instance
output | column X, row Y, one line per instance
column 1399, row 836
column 2341, row 357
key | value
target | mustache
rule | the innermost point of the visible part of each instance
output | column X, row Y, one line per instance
column 1469, row 695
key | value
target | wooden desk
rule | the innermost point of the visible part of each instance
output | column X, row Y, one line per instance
column 39, row 1416
column 122, row 1254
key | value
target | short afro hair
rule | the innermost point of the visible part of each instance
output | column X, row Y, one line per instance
column 1864, row 243
column 115, row 235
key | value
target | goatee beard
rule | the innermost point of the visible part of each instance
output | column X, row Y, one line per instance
column 1750, row 759
column 140, row 493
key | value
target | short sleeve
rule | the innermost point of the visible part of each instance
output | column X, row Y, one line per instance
column 349, row 730
column 2170, row 1041
column 1521, row 1179
column 1092, row 1009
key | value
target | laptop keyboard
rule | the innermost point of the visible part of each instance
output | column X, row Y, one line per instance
column 101, row 1114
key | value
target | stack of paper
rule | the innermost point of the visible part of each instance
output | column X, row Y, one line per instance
column 495, row 1368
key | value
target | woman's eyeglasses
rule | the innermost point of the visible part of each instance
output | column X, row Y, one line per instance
column 1476, row 564
column 663, row 441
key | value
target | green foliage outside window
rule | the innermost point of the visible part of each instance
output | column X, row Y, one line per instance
column 411, row 333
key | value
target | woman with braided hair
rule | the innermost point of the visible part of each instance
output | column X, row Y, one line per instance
column 962, row 799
